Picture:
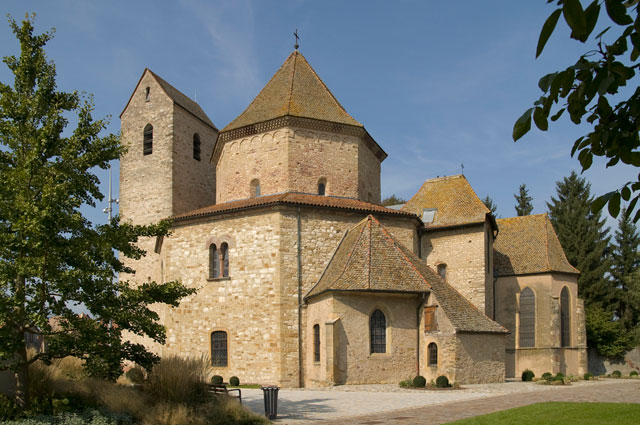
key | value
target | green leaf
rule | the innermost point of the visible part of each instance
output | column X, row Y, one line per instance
column 576, row 19
column 614, row 204
column 545, row 82
column 626, row 193
column 576, row 145
column 617, row 12
column 547, row 30
column 540, row 119
column 603, row 32
column 557, row 115
column 591, row 15
column 522, row 125
column 600, row 201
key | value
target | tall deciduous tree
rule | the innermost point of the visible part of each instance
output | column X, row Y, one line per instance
column 587, row 89
column 523, row 201
column 583, row 236
column 488, row 202
column 52, row 259
column 625, row 262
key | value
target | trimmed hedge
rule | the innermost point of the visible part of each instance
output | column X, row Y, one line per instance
column 419, row 381
column 442, row 382
column 528, row 375
column 217, row 379
column 234, row 381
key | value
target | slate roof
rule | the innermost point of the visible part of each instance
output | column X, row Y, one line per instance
column 295, row 90
column 526, row 245
column 454, row 199
column 293, row 198
column 178, row 97
column 370, row 259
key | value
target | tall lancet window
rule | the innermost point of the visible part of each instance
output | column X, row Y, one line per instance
column 147, row 140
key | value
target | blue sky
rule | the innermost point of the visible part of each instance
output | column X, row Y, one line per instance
column 437, row 84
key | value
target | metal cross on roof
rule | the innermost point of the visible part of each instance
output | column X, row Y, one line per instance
column 295, row 34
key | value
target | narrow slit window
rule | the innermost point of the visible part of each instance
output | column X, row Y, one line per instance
column 147, row 140
column 214, row 262
column 224, row 254
column 378, row 332
column 316, row 343
column 442, row 271
column 322, row 187
column 219, row 354
column 196, row 147
column 565, row 318
column 255, row 188
column 147, row 94
column 432, row 355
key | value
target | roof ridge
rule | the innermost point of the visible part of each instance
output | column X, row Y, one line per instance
column 324, row 271
column 293, row 77
column 355, row 243
column 546, row 243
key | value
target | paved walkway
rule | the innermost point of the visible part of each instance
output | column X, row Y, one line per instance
column 389, row 404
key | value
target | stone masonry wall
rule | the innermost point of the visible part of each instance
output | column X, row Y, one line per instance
column 463, row 251
column 368, row 174
column 480, row 358
column 194, row 182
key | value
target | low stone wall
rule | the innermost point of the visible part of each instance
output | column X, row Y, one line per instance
column 599, row 365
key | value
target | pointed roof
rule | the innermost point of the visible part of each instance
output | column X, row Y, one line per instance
column 453, row 200
column 527, row 245
column 178, row 98
column 294, row 90
column 370, row 259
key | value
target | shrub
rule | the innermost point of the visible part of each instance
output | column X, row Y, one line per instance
column 442, row 382
column 179, row 380
column 216, row 379
column 633, row 373
column 234, row 381
column 527, row 375
column 406, row 383
column 7, row 408
column 616, row 374
column 419, row 381
column 69, row 368
column 558, row 378
column 587, row 376
column 135, row 375
column 547, row 376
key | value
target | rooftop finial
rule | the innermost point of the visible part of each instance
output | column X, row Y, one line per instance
column 295, row 34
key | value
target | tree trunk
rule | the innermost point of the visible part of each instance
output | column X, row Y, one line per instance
column 22, row 380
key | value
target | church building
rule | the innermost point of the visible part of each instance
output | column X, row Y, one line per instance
column 304, row 279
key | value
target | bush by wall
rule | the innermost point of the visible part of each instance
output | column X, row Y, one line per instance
column 419, row 381
column 442, row 382
column 616, row 374
column 216, row 379
column 234, row 381
column 528, row 375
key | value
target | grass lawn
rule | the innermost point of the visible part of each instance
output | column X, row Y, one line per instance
column 564, row 413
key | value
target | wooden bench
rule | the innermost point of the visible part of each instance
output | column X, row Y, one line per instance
column 222, row 389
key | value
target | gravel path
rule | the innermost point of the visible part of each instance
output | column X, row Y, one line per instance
column 371, row 404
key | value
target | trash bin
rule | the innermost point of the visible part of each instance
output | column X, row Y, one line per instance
column 270, row 401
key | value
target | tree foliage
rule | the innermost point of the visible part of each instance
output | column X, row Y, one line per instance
column 523, row 201
column 488, row 202
column 52, row 259
column 393, row 200
column 608, row 336
column 582, row 235
column 587, row 89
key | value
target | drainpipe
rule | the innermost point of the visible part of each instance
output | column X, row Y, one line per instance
column 300, row 383
column 420, row 304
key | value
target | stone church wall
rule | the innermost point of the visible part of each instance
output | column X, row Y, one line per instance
column 463, row 251
column 368, row 174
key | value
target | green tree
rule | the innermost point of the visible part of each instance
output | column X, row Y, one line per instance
column 625, row 262
column 488, row 202
column 608, row 336
column 586, row 90
column 393, row 200
column 523, row 205
column 52, row 259
column 583, row 237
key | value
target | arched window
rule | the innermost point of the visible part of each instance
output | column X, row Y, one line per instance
column 224, row 254
column 527, row 318
column 322, row 186
column 378, row 332
column 147, row 140
column 219, row 348
column 432, row 355
column 196, row 147
column 565, row 318
column 442, row 271
column 214, row 262
column 255, row 188
column 147, row 94
column 316, row 343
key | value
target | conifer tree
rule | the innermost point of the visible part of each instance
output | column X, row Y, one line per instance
column 488, row 202
column 583, row 237
column 625, row 262
column 523, row 205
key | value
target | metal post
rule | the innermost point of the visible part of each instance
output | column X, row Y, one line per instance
column 110, row 200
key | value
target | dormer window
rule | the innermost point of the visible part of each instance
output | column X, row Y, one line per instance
column 147, row 94
column 196, row 147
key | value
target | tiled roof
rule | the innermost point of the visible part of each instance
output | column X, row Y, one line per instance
column 295, row 90
column 182, row 100
column 452, row 197
column 370, row 259
column 293, row 198
column 528, row 244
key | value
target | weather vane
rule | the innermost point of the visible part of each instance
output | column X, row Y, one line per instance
column 295, row 34
column 462, row 167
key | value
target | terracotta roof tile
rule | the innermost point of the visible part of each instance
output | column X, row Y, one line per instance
column 178, row 97
column 453, row 198
column 528, row 244
column 293, row 198
column 371, row 259
column 294, row 90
